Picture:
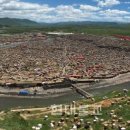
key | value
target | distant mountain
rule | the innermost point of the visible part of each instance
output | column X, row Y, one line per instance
column 83, row 23
column 9, row 22
column 16, row 22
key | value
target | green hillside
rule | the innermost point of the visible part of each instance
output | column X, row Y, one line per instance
column 16, row 22
column 12, row 26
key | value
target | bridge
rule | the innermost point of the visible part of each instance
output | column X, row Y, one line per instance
column 82, row 92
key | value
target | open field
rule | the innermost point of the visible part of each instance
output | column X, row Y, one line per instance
column 93, row 28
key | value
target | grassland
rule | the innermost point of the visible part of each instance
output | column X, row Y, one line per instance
column 123, row 29
column 120, row 106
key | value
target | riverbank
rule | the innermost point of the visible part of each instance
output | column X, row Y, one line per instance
column 58, row 91
column 22, row 102
column 119, row 79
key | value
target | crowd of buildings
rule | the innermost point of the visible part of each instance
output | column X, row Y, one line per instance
column 44, row 58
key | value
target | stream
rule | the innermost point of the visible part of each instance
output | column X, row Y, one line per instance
column 13, row 102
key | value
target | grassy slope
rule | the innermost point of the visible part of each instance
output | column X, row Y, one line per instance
column 14, row 122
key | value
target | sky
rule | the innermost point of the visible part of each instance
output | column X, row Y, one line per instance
column 52, row 11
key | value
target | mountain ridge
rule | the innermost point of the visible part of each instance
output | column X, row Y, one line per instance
column 9, row 22
column 16, row 22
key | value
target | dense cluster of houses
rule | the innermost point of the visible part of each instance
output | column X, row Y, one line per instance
column 43, row 57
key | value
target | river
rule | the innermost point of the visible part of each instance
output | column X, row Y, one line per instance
column 12, row 102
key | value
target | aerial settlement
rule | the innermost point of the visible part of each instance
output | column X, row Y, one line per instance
column 47, row 58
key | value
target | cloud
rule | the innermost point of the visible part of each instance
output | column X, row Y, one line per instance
column 89, row 8
column 17, row 5
column 115, row 15
column 107, row 3
column 114, row 12
column 46, row 13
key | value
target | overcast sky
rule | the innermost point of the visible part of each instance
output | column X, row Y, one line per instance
column 66, row 10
